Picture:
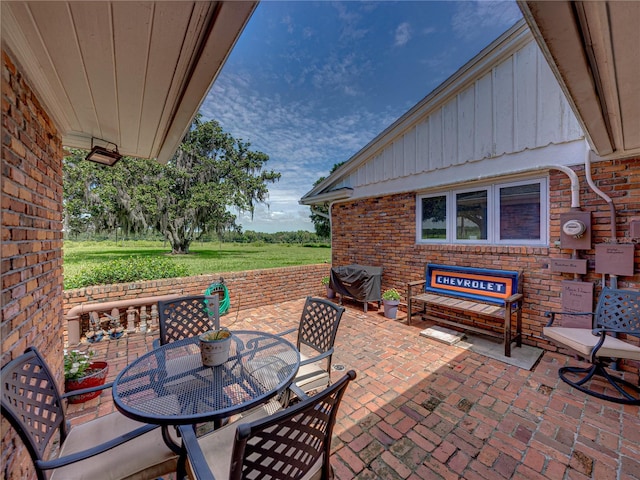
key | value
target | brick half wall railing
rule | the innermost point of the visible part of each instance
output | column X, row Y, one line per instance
column 247, row 289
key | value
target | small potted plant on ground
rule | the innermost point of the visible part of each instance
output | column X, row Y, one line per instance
column 390, row 299
column 330, row 292
column 214, row 347
column 80, row 372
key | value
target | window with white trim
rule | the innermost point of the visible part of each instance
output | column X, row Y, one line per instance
column 512, row 213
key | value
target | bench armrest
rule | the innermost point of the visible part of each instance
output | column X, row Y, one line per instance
column 416, row 283
column 552, row 315
column 513, row 298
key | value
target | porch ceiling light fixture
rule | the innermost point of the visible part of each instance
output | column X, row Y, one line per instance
column 103, row 155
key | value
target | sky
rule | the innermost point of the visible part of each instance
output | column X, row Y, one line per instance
column 311, row 83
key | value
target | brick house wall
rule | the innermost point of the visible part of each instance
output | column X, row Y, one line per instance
column 381, row 232
column 31, row 218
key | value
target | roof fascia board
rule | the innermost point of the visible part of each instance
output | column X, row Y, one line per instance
column 206, row 69
column 330, row 196
column 504, row 46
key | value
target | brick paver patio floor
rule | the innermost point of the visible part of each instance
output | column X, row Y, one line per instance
column 419, row 409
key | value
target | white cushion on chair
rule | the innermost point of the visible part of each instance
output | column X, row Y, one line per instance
column 312, row 376
column 582, row 340
column 217, row 447
column 145, row 457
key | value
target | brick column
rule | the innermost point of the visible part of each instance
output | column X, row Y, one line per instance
column 31, row 218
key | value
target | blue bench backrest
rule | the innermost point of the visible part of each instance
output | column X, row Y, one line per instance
column 483, row 284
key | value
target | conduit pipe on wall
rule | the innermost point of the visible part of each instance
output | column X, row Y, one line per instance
column 604, row 196
column 575, row 185
column 573, row 177
column 612, row 210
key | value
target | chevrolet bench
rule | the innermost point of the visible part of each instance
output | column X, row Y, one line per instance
column 458, row 296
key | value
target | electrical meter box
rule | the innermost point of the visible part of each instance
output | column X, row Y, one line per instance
column 575, row 230
column 615, row 259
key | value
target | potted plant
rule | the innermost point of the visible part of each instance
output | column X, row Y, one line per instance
column 214, row 347
column 325, row 282
column 390, row 299
column 80, row 372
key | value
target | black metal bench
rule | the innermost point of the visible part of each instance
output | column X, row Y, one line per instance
column 617, row 313
column 450, row 290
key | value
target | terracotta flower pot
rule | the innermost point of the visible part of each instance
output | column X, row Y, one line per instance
column 97, row 376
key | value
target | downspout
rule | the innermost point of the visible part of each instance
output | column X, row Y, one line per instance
column 322, row 214
column 328, row 217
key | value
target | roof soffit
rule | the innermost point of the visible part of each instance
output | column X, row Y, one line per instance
column 592, row 48
column 131, row 73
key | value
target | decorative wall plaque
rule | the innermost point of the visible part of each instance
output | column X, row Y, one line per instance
column 577, row 297
column 569, row 265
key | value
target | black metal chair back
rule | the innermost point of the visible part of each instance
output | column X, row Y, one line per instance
column 186, row 317
column 290, row 443
column 616, row 318
column 319, row 324
column 618, row 310
column 32, row 404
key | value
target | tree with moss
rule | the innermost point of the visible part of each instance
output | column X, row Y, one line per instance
column 190, row 196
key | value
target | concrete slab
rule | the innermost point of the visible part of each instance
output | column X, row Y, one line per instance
column 442, row 334
column 525, row 356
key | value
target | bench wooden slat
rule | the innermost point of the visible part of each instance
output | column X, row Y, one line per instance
column 452, row 302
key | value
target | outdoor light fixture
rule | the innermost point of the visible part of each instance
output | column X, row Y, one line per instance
column 103, row 155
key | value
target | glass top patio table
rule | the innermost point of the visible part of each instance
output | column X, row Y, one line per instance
column 170, row 386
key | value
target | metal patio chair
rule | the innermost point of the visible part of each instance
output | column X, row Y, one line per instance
column 617, row 313
column 294, row 443
column 317, row 331
column 110, row 447
column 186, row 317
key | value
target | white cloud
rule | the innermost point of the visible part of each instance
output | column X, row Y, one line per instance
column 302, row 146
column 472, row 17
column 350, row 20
column 338, row 73
column 403, row 34
column 288, row 21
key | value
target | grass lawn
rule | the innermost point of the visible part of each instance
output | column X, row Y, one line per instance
column 210, row 257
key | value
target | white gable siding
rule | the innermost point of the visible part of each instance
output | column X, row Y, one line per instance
column 515, row 106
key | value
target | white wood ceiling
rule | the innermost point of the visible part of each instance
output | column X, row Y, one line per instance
column 594, row 50
column 131, row 73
